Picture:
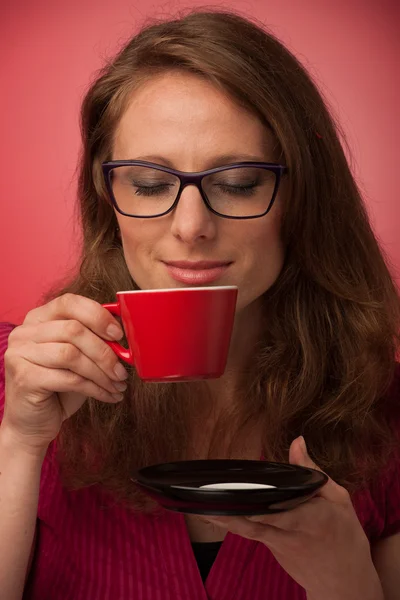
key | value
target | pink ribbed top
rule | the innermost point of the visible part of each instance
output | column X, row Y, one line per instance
column 91, row 548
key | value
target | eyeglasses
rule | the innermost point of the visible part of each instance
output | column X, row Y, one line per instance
column 145, row 190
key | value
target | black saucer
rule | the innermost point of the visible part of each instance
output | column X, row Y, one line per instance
column 176, row 486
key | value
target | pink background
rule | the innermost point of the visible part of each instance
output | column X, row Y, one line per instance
column 50, row 50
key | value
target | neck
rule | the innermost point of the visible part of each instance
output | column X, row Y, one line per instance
column 246, row 334
column 213, row 422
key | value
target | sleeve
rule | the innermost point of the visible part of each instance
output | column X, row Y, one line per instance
column 378, row 507
column 392, row 503
column 385, row 495
column 390, row 483
column 5, row 330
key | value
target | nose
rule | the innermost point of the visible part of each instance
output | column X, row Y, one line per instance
column 191, row 219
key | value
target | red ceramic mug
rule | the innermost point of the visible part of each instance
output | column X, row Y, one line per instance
column 177, row 334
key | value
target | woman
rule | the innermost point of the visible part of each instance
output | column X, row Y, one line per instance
column 313, row 353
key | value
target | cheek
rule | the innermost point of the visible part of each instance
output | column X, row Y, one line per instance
column 130, row 243
column 267, row 254
column 136, row 243
column 139, row 234
column 266, row 241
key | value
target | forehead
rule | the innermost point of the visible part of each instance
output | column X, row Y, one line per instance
column 177, row 112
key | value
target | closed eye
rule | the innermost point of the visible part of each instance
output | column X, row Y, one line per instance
column 152, row 190
column 237, row 190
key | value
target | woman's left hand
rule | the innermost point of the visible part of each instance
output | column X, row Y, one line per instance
column 320, row 543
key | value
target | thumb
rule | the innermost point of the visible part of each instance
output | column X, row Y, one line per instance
column 298, row 455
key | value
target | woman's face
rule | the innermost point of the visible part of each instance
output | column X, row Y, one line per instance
column 181, row 121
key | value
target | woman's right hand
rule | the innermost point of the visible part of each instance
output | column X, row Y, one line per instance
column 54, row 361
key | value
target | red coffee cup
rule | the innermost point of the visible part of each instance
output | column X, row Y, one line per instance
column 177, row 334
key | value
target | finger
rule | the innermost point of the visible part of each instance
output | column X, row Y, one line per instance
column 303, row 518
column 51, row 381
column 68, row 357
column 300, row 518
column 267, row 534
column 87, row 342
column 71, row 306
column 332, row 491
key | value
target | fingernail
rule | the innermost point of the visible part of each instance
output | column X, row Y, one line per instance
column 303, row 444
column 120, row 371
column 114, row 332
column 120, row 386
column 118, row 397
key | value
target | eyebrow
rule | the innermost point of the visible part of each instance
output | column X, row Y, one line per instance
column 216, row 161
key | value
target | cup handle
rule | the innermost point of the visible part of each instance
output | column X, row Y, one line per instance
column 122, row 353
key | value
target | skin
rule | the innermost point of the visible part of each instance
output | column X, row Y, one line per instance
column 181, row 121
column 58, row 356
column 321, row 543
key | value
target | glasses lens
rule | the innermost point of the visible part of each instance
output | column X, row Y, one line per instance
column 143, row 191
column 240, row 192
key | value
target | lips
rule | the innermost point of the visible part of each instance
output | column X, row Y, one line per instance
column 196, row 265
column 196, row 272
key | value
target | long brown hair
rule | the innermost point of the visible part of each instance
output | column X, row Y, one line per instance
column 328, row 356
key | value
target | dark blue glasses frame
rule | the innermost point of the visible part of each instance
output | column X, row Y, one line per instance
column 191, row 179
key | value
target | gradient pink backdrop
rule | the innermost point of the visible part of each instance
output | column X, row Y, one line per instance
column 50, row 50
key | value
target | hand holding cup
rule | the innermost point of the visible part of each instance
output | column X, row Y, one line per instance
column 54, row 361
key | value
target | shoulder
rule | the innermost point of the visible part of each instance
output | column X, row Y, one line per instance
column 378, row 505
column 394, row 389
column 392, row 403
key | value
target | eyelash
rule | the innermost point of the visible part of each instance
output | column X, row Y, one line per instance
column 152, row 190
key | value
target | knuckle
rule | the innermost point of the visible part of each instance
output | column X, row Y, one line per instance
column 17, row 369
column 68, row 353
column 11, row 360
column 68, row 302
column 100, row 319
column 74, row 328
column 71, row 303
column 31, row 317
column 344, row 495
column 67, row 298
column 107, row 356
column 14, row 336
column 73, row 379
